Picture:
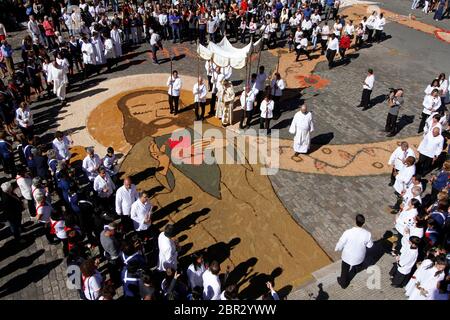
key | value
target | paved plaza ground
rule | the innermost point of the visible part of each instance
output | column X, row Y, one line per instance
column 285, row 225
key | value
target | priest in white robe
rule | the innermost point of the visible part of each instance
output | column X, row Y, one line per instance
column 302, row 125
column 116, row 37
column 57, row 74
column 88, row 51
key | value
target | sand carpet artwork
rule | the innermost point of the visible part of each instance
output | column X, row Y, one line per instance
column 230, row 209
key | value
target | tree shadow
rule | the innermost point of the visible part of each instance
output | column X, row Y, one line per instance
column 321, row 140
column 257, row 284
column 32, row 275
column 189, row 221
column 20, row 263
column 171, row 207
column 404, row 121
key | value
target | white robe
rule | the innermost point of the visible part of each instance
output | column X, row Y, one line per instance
column 302, row 125
column 110, row 53
column 117, row 41
column 59, row 77
column 88, row 53
column 97, row 43
column 427, row 280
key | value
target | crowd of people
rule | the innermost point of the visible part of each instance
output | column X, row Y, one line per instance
column 421, row 224
column 89, row 208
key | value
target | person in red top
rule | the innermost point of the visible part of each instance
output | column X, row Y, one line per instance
column 49, row 31
column 344, row 44
column 244, row 5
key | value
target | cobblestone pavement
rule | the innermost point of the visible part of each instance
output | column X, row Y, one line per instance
column 324, row 205
column 370, row 284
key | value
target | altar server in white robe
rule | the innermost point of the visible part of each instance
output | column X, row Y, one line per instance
column 97, row 42
column 247, row 100
column 116, row 37
column 168, row 254
column 427, row 280
column 89, row 53
column 302, row 125
column 57, row 75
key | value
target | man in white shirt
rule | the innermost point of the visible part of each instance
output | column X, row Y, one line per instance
column 126, row 195
column 302, row 48
column 211, row 282
column 141, row 213
column 367, row 90
column 155, row 44
column 247, row 100
column 260, row 86
column 277, row 86
column 431, row 103
column 403, row 180
column 398, row 158
column 104, row 187
column 332, row 49
column 168, row 254
column 91, row 164
column 380, row 21
column 266, row 113
column 324, row 34
column 174, row 84
column 33, row 29
column 429, row 150
column 199, row 92
column 353, row 244
column 61, row 145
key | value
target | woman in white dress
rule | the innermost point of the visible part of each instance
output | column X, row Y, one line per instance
column 427, row 280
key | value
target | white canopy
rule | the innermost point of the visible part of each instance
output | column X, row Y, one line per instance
column 224, row 54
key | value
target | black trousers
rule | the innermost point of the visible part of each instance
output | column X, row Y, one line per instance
column 378, row 34
column 422, row 122
column 212, row 110
column 173, row 103
column 330, row 57
column 399, row 200
column 323, row 45
column 276, row 106
column 264, row 123
column 348, row 273
column 358, row 42
column 246, row 115
column 391, row 123
column 393, row 176
column 259, row 99
column 424, row 165
column 201, row 106
column 300, row 52
column 365, row 98
column 210, row 85
column 369, row 34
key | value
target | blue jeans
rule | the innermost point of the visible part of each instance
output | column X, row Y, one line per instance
column 283, row 31
column 314, row 41
column 176, row 34
column 115, row 5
